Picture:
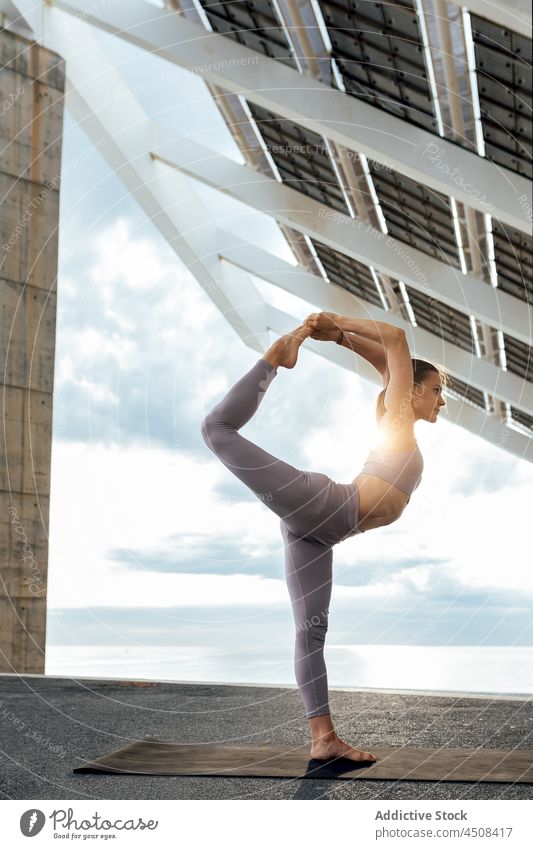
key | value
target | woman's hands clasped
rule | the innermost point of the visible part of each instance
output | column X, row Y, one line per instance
column 323, row 324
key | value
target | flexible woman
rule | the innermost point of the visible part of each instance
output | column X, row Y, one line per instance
column 316, row 513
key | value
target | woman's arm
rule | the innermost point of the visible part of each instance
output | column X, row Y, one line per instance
column 377, row 331
column 373, row 352
column 399, row 391
column 399, row 387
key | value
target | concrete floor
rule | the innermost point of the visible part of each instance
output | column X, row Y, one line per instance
column 49, row 725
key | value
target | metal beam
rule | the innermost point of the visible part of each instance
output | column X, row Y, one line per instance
column 170, row 201
column 10, row 17
column 423, row 156
column 479, row 373
column 353, row 237
column 452, row 70
column 455, row 411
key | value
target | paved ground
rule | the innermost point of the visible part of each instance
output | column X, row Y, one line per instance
column 50, row 725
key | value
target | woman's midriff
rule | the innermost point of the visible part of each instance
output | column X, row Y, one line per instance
column 380, row 503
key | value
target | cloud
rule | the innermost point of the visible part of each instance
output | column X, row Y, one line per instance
column 197, row 554
column 150, row 375
column 255, row 628
column 475, row 475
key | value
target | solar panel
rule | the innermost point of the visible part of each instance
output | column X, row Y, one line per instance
column 522, row 418
column 415, row 214
column 503, row 64
column 514, row 260
column 462, row 390
column 301, row 157
column 519, row 358
column 353, row 276
column 397, row 289
column 441, row 320
column 379, row 51
column 253, row 24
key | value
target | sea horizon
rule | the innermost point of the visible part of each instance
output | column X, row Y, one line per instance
column 491, row 670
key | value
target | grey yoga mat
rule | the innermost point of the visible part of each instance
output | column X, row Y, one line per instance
column 157, row 757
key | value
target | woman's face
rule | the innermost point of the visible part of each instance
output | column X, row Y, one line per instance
column 427, row 397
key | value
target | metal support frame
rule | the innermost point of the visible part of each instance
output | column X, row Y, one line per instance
column 349, row 121
column 449, row 94
column 458, row 412
column 479, row 373
column 171, row 201
column 350, row 236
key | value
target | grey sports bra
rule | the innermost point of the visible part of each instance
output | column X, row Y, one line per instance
column 399, row 468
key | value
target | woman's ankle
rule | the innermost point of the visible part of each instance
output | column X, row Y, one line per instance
column 271, row 360
column 321, row 728
column 324, row 736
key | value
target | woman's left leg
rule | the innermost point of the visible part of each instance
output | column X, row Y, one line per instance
column 308, row 570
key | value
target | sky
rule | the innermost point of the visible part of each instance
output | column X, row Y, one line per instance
column 153, row 542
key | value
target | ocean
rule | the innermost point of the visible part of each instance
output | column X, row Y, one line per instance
column 468, row 669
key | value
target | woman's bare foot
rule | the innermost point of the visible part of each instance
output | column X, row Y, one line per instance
column 284, row 351
column 330, row 746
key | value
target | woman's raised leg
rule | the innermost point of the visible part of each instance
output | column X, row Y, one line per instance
column 294, row 495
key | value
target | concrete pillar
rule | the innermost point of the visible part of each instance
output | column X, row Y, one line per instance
column 32, row 82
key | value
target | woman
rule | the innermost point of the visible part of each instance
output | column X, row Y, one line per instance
column 315, row 512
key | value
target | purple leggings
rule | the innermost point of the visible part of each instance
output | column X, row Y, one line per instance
column 315, row 514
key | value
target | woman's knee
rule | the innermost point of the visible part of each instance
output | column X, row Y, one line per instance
column 214, row 432
column 313, row 628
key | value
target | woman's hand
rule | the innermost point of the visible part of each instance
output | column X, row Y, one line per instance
column 324, row 321
column 325, row 335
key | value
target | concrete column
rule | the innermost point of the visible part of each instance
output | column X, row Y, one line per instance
column 32, row 82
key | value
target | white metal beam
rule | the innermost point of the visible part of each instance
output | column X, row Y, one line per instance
column 479, row 373
column 421, row 155
column 170, row 201
column 455, row 411
column 351, row 236
column 10, row 16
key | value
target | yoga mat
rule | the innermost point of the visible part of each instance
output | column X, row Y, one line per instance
column 157, row 757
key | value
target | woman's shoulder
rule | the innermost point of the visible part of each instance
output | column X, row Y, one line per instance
column 395, row 434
